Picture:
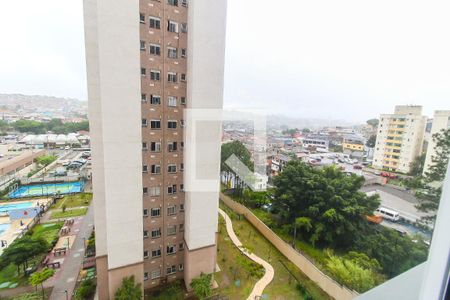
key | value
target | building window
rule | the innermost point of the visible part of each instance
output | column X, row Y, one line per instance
column 183, row 53
column 155, row 22
column 155, row 146
column 143, row 97
column 155, row 212
column 172, row 124
column 172, row 230
column 145, row 254
column 155, row 49
column 173, row 2
column 183, row 100
column 172, row 77
column 181, row 267
column 156, row 253
column 145, row 234
column 155, row 274
column 184, row 27
column 144, row 146
column 172, row 168
column 145, row 190
column 172, row 26
column 172, row 52
column 145, row 276
column 171, row 210
column 144, row 168
column 172, row 146
column 172, row 189
column 155, row 124
column 172, row 101
column 171, row 249
column 181, row 227
column 182, row 187
column 142, row 45
column 182, row 123
column 171, row 270
column 183, row 77
column 156, row 169
column 143, row 71
column 182, row 207
column 155, row 99
column 184, row 3
column 180, row 246
column 155, row 75
column 145, row 212
column 141, row 18
column 182, row 167
column 156, row 233
column 155, row 191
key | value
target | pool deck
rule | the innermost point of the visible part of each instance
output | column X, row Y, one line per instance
column 15, row 228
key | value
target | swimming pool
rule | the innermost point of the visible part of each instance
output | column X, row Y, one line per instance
column 4, row 227
column 5, row 207
column 47, row 189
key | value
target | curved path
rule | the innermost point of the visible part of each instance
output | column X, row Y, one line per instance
column 269, row 272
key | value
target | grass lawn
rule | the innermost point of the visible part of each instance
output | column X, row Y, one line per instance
column 47, row 231
column 76, row 200
column 284, row 285
column 68, row 213
column 33, row 296
column 234, row 266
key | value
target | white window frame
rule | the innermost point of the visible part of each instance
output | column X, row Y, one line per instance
column 156, row 21
column 172, row 101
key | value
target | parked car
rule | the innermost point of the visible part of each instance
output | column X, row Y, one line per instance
column 388, row 175
column 357, row 167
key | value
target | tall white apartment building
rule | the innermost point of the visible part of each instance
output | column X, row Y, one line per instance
column 441, row 121
column 399, row 138
column 150, row 63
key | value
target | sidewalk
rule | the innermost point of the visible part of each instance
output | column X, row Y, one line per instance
column 259, row 287
column 72, row 262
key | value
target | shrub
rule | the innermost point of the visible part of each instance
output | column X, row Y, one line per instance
column 86, row 290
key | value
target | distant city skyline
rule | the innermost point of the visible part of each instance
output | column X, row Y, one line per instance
column 323, row 60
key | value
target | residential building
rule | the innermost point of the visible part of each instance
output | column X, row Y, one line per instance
column 399, row 138
column 148, row 61
column 353, row 145
column 441, row 121
column 316, row 143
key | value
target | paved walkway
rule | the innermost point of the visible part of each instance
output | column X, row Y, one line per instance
column 269, row 272
column 72, row 262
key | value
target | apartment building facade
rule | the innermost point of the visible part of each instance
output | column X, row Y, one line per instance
column 399, row 139
column 441, row 121
column 147, row 62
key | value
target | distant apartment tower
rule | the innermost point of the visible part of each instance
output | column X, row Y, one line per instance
column 148, row 61
column 399, row 138
column 441, row 121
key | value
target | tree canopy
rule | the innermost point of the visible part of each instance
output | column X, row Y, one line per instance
column 432, row 182
column 202, row 285
column 238, row 149
column 371, row 141
column 129, row 290
column 329, row 204
column 54, row 125
column 373, row 122
column 38, row 278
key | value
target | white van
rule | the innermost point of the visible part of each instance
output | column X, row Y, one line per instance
column 388, row 214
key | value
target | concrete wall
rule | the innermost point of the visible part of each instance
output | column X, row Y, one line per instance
column 113, row 61
column 330, row 286
column 441, row 121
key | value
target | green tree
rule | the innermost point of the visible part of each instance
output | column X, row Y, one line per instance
column 242, row 153
column 38, row 278
column 29, row 126
column 291, row 132
column 202, row 285
column 373, row 122
column 351, row 274
column 430, row 197
column 306, row 130
column 45, row 160
column 129, row 290
column 86, row 290
column 22, row 250
column 327, row 197
column 371, row 141
column 417, row 165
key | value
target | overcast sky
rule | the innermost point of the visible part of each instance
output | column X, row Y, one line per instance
column 319, row 59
